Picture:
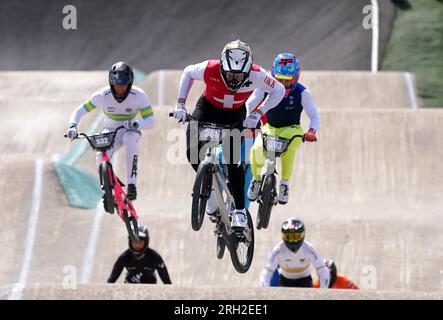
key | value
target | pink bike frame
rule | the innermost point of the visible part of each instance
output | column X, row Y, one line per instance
column 119, row 193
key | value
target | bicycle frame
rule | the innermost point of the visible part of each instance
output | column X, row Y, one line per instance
column 122, row 203
column 119, row 193
column 225, row 202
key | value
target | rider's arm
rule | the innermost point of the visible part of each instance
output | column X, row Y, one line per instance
column 163, row 272
column 311, row 109
column 117, row 269
column 190, row 73
column 254, row 100
column 319, row 265
column 146, row 113
column 267, row 83
column 92, row 103
column 270, row 266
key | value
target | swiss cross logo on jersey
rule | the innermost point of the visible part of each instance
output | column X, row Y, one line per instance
column 228, row 101
column 269, row 82
column 284, row 62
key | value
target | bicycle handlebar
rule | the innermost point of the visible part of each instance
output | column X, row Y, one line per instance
column 81, row 135
column 189, row 118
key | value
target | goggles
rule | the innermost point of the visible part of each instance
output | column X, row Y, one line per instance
column 237, row 76
column 293, row 237
column 283, row 77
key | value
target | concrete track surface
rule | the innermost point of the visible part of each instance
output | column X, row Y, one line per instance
column 369, row 192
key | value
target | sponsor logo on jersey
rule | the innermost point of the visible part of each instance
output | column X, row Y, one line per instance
column 269, row 82
column 214, row 88
column 128, row 110
column 214, row 79
column 110, row 109
column 247, row 83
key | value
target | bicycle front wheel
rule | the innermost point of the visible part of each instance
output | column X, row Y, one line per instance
column 266, row 202
column 200, row 195
column 242, row 248
column 106, row 176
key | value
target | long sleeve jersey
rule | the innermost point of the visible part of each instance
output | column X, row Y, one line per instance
column 115, row 113
column 289, row 109
column 295, row 265
column 222, row 98
column 140, row 271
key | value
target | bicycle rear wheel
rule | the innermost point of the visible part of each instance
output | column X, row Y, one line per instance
column 131, row 226
column 200, row 195
column 242, row 248
column 106, row 181
column 266, row 203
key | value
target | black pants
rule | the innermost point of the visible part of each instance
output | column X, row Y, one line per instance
column 298, row 283
column 205, row 112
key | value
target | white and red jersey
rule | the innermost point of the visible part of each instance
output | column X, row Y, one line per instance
column 221, row 97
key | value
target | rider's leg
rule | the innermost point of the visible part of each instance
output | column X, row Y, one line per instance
column 130, row 140
column 203, row 112
column 288, row 159
column 257, row 158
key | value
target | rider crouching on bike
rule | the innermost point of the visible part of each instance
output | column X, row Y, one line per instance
column 120, row 102
column 294, row 258
column 283, row 121
column 140, row 262
column 229, row 82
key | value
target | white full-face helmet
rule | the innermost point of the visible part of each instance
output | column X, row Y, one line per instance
column 235, row 64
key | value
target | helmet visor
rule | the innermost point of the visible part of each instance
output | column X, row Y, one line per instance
column 293, row 237
column 283, row 77
column 235, row 76
column 138, row 245
column 119, row 78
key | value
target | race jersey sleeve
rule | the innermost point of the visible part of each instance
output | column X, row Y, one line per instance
column 163, row 271
column 191, row 73
column 92, row 103
column 267, row 83
column 254, row 100
column 270, row 266
column 319, row 265
column 146, row 112
column 117, row 269
column 311, row 109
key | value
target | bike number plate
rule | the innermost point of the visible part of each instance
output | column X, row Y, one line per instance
column 102, row 141
column 210, row 134
column 275, row 144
